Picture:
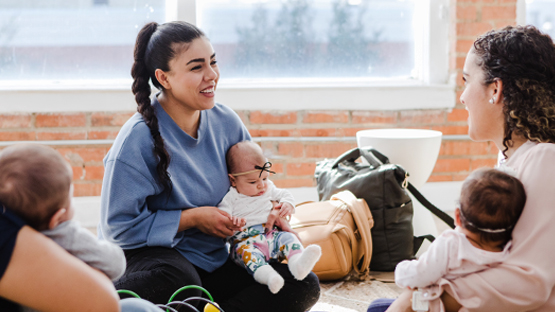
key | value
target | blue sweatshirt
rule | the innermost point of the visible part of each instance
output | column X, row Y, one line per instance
column 134, row 211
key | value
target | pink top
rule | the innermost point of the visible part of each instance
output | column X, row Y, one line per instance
column 525, row 281
column 450, row 256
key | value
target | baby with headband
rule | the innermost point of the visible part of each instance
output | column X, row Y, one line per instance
column 249, row 203
column 491, row 203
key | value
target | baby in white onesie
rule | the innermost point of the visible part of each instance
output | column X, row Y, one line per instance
column 249, row 203
column 491, row 203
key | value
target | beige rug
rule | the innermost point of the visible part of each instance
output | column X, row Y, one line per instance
column 352, row 296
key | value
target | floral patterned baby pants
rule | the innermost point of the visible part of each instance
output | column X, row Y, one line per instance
column 252, row 248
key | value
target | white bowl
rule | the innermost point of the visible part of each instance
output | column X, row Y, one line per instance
column 416, row 150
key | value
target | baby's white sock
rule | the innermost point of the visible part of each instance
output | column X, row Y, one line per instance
column 266, row 275
column 301, row 264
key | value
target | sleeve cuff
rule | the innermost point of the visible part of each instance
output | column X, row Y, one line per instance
column 164, row 229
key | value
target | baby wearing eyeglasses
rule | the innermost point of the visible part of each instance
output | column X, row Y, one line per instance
column 491, row 202
column 249, row 203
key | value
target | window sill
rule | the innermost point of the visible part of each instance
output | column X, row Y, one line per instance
column 85, row 96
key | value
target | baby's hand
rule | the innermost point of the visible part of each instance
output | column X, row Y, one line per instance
column 285, row 209
column 240, row 222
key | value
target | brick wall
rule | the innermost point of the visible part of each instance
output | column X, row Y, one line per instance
column 293, row 140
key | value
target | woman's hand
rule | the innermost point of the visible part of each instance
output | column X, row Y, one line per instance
column 275, row 220
column 285, row 209
column 403, row 303
column 209, row 220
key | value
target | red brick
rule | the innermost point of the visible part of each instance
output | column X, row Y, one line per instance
column 440, row 178
column 451, row 130
column 472, row 29
column 483, row 162
column 466, row 12
column 61, row 135
column 452, row 165
column 273, row 132
column 277, row 167
column 300, row 169
column 110, row 119
column 102, row 135
column 257, row 117
column 244, row 116
column 460, row 64
column 326, row 117
column 318, row 132
column 17, row 135
column 269, row 148
column 475, row 1
column 78, row 173
column 460, row 177
column 464, row 148
column 508, row 1
column 350, row 132
column 374, row 117
column 80, row 155
column 498, row 24
column 294, row 149
column 458, row 96
column 463, row 46
column 87, row 189
column 457, row 114
column 452, row 61
column 60, row 120
column 505, row 12
column 326, row 150
column 284, row 183
column 422, row 117
column 94, row 172
column 15, row 121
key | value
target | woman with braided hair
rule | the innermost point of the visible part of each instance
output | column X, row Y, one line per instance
column 509, row 93
column 167, row 171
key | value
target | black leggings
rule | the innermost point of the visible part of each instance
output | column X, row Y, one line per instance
column 155, row 273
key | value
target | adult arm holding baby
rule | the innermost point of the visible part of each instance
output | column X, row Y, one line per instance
column 78, row 287
column 62, row 272
column 509, row 93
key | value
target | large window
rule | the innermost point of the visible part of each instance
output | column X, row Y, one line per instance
column 69, row 39
column 541, row 13
column 311, row 38
column 284, row 54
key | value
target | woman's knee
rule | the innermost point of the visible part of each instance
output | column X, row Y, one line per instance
column 156, row 279
column 301, row 295
column 380, row 305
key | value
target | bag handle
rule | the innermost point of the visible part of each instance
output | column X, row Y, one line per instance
column 433, row 209
column 363, row 227
column 355, row 153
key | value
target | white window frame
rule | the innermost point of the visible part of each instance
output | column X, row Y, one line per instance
column 434, row 90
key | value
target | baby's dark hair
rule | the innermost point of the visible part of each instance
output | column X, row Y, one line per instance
column 491, row 200
column 34, row 182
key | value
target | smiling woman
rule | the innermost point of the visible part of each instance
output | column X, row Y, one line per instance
column 166, row 172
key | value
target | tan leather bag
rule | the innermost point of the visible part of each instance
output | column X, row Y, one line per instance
column 341, row 226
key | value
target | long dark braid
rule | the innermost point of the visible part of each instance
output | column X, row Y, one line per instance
column 141, row 89
column 154, row 50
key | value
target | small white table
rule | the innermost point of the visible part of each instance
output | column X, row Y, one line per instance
column 416, row 150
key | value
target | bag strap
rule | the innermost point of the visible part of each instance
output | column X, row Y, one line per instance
column 354, row 154
column 418, row 240
column 363, row 228
column 433, row 209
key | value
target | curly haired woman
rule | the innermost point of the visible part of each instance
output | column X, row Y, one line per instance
column 509, row 93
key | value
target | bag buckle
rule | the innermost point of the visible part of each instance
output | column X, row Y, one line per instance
column 406, row 181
